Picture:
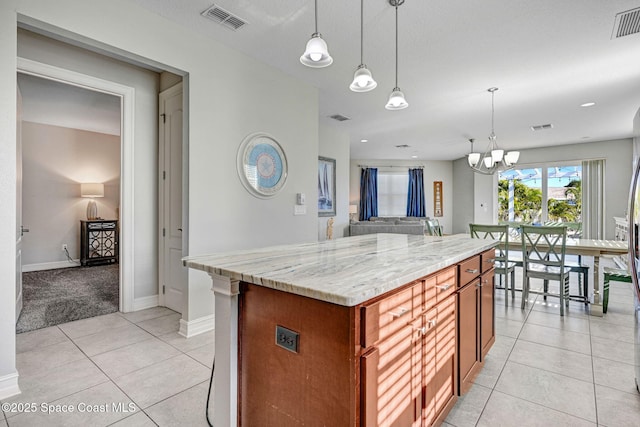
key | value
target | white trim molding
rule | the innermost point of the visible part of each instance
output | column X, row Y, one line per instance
column 9, row 386
column 127, row 97
column 50, row 265
column 198, row 326
column 143, row 303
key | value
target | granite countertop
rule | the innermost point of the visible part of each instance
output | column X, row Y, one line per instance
column 345, row 271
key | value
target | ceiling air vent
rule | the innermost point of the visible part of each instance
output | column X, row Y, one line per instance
column 402, row 146
column 626, row 23
column 223, row 17
column 339, row 117
column 542, row 127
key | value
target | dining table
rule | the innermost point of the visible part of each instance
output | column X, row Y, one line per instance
column 592, row 248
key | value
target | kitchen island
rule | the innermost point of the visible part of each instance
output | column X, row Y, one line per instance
column 372, row 330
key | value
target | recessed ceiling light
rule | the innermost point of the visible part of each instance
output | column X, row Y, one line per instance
column 588, row 104
column 364, row 140
column 414, row 157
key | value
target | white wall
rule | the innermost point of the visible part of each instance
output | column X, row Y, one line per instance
column 335, row 145
column 8, row 62
column 229, row 97
column 618, row 155
column 433, row 171
column 55, row 161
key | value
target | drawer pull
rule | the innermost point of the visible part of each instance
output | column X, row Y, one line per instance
column 490, row 261
column 432, row 323
column 422, row 331
column 401, row 312
column 444, row 287
column 472, row 270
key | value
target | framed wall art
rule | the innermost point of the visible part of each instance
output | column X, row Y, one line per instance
column 326, row 186
column 262, row 165
column 437, row 198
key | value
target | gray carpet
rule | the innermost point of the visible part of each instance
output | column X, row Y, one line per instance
column 52, row 297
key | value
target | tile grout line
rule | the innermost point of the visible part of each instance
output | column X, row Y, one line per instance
column 493, row 388
column 593, row 373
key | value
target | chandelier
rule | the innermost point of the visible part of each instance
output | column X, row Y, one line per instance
column 493, row 158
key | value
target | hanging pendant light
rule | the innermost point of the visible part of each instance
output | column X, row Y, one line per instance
column 362, row 78
column 316, row 54
column 396, row 99
column 494, row 157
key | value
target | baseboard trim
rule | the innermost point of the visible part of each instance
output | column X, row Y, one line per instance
column 50, row 265
column 9, row 386
column 198, row 326
column 145, row 302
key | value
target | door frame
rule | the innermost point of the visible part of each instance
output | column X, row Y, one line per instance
column 127, row 106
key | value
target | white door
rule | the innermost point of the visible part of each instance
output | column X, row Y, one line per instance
column 19, row 227
column 172, row 274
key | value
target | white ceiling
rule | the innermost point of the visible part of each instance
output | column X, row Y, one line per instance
column 547, row 57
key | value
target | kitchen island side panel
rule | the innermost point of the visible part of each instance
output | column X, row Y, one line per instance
column 315, row 386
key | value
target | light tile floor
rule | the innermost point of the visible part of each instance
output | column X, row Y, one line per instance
column 543, row 370
column 548, row 370
column 120, row 369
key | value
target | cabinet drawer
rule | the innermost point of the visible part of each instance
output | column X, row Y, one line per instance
column 439, row 286
column 488, row 259
column 469, row 270
column 387, row 316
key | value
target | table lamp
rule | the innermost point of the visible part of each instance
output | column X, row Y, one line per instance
column 353, row 210
column 92, row 190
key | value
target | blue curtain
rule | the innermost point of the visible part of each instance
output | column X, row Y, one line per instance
column 415, row 195
column 368, row 193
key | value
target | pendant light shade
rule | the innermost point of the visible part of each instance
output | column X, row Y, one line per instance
column 362, row 78
column 316, row 54
column 396, row 99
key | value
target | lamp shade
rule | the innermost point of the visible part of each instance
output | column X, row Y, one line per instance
column 316, row 55
column 92, row 190
column 396, row 100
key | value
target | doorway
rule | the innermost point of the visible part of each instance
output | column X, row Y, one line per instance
column 121, row 208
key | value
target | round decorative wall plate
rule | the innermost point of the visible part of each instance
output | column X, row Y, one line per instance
column 262, row 165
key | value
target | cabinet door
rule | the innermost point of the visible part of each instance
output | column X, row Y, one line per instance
column 391, row 381
column 468, row 346
column 487, row 318
column 429, row 366
column 444, row 380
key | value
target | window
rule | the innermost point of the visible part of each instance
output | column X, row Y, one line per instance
column 392, row 193
column 548, row 193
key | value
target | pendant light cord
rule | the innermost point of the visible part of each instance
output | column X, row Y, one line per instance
column 396, row 45
column 316, row 16
column 493, row 92
column 361, row 31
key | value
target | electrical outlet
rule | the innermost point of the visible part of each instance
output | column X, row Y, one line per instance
column 64, row 247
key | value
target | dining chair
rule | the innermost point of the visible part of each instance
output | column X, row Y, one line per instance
column 544, row 249
column 574, row 230
column 503, row 266
column 616, row 275
column 433, row 227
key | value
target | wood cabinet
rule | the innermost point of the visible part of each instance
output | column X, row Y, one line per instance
column 98, row 242
column 476, row 320
column 391, row 361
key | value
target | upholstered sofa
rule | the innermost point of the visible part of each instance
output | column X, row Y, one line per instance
column 397, row 225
